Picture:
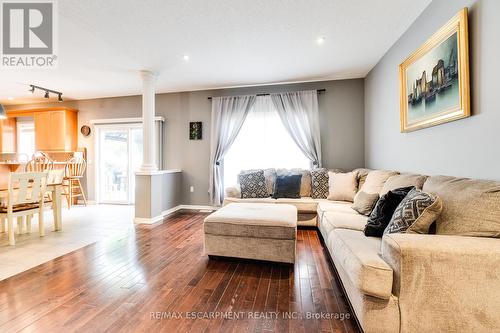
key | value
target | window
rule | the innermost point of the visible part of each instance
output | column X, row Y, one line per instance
column 263, row 142
column 25, row 138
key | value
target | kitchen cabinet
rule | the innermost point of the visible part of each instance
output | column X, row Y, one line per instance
column 56, row 130
column 8, row 135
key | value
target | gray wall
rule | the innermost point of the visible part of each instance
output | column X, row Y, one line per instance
column 468, row 147
column 341, row 112
column 164, row 188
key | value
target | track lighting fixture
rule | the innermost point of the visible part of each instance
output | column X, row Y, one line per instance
column 47, row 92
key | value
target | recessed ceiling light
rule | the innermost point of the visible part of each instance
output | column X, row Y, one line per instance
column 185, row 57
column 320, row 40
column 10, row 98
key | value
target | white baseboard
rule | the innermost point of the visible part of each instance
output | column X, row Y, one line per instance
column 159, row 218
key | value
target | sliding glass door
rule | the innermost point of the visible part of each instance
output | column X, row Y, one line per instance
column 119, row 156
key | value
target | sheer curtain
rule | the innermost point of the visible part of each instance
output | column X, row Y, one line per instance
column 300, row 116
column 228, row 115
column 263, row 142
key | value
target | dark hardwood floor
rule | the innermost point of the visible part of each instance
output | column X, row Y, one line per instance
column 159, row 280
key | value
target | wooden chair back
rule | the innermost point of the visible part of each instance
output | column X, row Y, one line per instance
column 26, row 188
column 39, row 163
column 75, row 167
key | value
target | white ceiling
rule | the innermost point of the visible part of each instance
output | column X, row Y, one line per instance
column 103, row 44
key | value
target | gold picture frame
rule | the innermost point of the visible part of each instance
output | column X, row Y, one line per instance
column 446, row 97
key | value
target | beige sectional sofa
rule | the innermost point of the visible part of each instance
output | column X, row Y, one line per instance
column 448, row 281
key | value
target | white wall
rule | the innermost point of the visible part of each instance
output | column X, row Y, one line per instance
column 469, row 147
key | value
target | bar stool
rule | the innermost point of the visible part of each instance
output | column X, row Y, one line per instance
column 75, row 168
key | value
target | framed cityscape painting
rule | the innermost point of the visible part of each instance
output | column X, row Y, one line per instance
column 434, row 80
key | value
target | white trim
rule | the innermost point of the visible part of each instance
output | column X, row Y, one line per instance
column 157, row 172
column 159, row 218
column 122, row 120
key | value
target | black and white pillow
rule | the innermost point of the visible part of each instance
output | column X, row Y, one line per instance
column 415, row 213
column 253, row 185
column 319, row 180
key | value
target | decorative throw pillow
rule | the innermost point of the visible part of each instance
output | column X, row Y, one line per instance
column 415, row 213
column 269, row 175
column 342, row 186
column 287, row 187
column 364, row 202
column 376, row 180
column 305, row 182
column 403, row 180
column 383, row 211
column 319, row 180
column 253, row 185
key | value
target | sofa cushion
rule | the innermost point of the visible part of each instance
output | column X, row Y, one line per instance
column 305, row 182
column 337, row 206
column 253, row 220
column 362, row 173
column 342, row 186
column 376, row 180
column 229, row 200
column 319, row 183
column 470, row 207
column 287, row 187
column 359, row 258
column 304, row 204
column 403, row 180
column 415, row 213
column 338, row 220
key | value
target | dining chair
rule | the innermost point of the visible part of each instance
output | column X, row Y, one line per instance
column 40, row 162
column 75, row 169
column 26, row 196
column 53, row 177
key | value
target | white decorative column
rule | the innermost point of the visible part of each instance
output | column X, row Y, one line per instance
column 148, row 121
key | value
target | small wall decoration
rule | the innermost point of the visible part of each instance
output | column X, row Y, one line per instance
column 85, row 130
column 434, row 80
column 195, row 130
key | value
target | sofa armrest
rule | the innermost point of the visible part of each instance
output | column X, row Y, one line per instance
column 445, row 283
column 233, row 191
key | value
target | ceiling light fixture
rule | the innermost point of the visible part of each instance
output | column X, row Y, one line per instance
column 47, row 92
column 185, row 57
column 320, row 40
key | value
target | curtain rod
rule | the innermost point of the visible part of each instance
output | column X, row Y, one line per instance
column 319, row 91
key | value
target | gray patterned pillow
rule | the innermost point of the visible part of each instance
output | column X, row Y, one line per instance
column 253, row 185
column 415, row 213
column 319, row 181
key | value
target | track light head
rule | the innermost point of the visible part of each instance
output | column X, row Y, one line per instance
column 60, row 98
column 46, row 94
column 32, row 89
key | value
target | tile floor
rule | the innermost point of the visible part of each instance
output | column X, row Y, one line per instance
column 81, row 226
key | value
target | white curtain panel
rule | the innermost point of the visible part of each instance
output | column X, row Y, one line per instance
column 228, row 115
column 300, row 116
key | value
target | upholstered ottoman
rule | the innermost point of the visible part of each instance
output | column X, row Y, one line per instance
column 252, row 231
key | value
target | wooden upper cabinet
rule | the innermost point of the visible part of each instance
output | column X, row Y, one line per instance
column 8, row 135
column 56, row 130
